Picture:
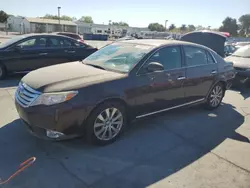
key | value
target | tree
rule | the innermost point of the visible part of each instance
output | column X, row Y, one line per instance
column 156, row 27
column 86, row 19
column 183, row 27
column 55, row 17
column 171, row 27
column 245, row 24
column 191, row 28
column 120, row 23
column 3, row 17
column 229, row 25
column 199, row 27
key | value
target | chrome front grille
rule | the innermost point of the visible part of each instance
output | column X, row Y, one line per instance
column 25, row 95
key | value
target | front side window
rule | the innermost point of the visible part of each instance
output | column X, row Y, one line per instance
column 39, row 42
column 195, row 56
column 169, row 57
column 121, row 57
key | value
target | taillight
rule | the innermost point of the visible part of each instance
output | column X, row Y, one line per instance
column 81, row 40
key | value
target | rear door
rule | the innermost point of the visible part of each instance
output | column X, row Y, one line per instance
column 79, row 50
column 201, row 72
column 57, row 50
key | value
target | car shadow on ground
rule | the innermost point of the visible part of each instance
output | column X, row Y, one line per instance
column 152, row 149
column 11, row 81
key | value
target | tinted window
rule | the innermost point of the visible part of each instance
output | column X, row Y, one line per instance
column 67, row 43
column 169, row 57
column 195, row 56
column 55, row 42
column 39, row 42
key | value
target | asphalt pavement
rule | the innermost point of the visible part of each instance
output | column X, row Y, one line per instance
column 189, row 147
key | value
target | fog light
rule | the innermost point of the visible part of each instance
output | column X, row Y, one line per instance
column 53, row 134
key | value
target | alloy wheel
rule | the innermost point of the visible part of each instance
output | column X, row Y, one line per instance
column 108, row 124
column 216, row 96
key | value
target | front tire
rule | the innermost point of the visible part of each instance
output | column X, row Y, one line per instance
column 106, row 123
column 2, row 72
column 215, row 96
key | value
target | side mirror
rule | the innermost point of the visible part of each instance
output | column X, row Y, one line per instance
column 154, row 66
column 17, row 48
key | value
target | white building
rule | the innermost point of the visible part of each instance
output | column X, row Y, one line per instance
column 39, row 25
column 111, row 30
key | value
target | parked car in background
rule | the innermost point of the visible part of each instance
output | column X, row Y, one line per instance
column 29, row 52
column 229, row 49
column 120, row 82
column 71, row 35
column 241, row 44
column 241, row 63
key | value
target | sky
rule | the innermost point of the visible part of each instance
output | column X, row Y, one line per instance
column 137, row 13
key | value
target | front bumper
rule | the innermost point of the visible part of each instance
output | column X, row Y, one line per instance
column 62, row 118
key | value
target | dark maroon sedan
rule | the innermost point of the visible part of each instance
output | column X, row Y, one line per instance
column 122, row 81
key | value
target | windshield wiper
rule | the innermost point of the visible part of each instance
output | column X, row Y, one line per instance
column 96, row 66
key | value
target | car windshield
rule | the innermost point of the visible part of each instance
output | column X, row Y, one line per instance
column 242, row 52
column 11, row 41
column 121, row 57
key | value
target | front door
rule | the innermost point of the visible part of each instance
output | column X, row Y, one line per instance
column 27, row 55
column 163, row 89
column 201, row 72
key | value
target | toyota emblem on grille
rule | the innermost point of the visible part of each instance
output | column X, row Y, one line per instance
column 21, row 90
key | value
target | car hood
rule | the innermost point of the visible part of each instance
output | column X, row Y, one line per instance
column 239, row 61
column 68, row 76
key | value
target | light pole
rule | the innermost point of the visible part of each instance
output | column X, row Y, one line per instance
column 166, row 21
column 59, row 8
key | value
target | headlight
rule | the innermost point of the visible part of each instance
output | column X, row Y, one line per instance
column 54, row 98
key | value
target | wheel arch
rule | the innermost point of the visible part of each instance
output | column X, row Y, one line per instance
column 223, row 82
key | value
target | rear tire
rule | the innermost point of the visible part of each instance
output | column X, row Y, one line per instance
column 106, row 123
column 2, row 72
column 215, row 97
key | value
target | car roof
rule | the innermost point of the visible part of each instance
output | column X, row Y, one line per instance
column 157, row 43
column 45, row 34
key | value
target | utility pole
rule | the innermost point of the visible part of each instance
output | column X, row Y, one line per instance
column 59, row 8
column 166, row 21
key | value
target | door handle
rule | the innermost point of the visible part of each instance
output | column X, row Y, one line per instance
column 214, row 72
column 181, row 78
column 43, row 54
column 152, row 78
column 70, row 51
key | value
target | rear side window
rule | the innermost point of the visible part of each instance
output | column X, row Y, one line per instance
column 55, row 42
column 195, row 56
column 210, row 60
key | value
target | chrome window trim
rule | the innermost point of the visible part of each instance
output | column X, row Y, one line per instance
column 167, row 109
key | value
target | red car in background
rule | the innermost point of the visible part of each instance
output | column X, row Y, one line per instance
column 72, row 35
